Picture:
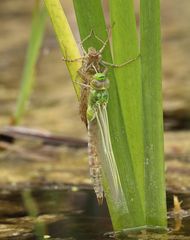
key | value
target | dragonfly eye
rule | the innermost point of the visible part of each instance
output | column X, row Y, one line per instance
column 100, row 77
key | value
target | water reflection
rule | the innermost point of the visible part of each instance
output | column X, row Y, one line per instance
column 61, row 213
column 33, row 212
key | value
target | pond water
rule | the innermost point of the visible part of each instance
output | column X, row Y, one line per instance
column 69, row 213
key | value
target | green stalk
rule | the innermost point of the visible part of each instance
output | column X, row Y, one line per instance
column 125, row 47
column 65, row 38
column 153, row 115
column 36, row 38
column 90, row 17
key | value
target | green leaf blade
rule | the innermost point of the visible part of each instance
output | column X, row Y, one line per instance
column 90, row 17
column 28, row 75
column 125, row 47
column 153, row 114
column 65, row 38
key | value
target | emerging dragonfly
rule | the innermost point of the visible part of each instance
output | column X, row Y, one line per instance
column 98, row 125
column 92, row 62
column 93, row 111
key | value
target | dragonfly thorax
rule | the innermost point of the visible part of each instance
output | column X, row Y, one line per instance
column 98, row 97
column 99, row 81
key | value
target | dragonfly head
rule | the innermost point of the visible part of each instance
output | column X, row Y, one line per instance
column 100, row 81
column 100, row 76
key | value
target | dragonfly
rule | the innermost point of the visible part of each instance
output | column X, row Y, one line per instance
column 98, row 126
column 92, row 62
column 93, row 110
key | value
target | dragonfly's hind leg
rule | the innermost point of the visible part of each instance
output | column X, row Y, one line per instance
column 82, row 84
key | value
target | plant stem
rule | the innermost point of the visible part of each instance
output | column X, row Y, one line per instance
column 65, row 38
column 28, row 75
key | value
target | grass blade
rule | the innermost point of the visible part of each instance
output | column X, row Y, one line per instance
column 90, row 16
column 153, row 115
column 125, row 47
column 65, row 38
column 38, row 27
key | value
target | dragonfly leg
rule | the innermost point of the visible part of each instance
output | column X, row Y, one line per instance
column 72, row 60
column 82, row 84
column 104, row 45
column 89, row 66
column 104, row 42
column 99, row 39
column 94, row 68
column 120, row 65
column 84, row 51
column 105, row 70
column 87, row 37
column 84, row 40
column 105, row 67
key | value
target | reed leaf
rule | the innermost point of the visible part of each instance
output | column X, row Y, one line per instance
column 125, row 47
column 65, row 38
column 28, row 75
column 153, row 114
column 90, row 17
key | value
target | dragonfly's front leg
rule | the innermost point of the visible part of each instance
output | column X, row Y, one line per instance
column 73, row 60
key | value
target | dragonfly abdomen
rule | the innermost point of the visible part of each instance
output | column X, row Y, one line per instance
column 94, row 163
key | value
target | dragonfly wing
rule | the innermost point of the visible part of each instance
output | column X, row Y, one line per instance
column 108, row 161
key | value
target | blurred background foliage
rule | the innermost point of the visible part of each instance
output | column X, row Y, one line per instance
column 50, row 71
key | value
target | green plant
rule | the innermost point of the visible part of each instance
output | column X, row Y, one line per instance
column 152, row 112
column 28, row 75
column 135, row 124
